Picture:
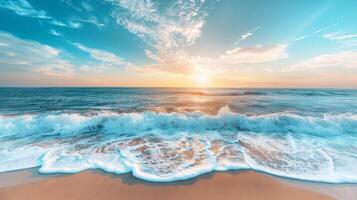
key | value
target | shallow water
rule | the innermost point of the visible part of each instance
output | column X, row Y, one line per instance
column 164, row 135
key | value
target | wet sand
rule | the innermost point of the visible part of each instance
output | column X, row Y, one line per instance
column 93, row 185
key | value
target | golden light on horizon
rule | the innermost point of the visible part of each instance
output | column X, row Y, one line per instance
column 201, row 79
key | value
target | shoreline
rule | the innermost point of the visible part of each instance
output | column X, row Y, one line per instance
column 96, row 184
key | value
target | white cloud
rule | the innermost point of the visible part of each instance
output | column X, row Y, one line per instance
column 167, row 27
column 239, row 57
column 68, row 24
column 58, row 23
column 56, row 33
column 311, row 34
column 23, row 8
column 72, row 5
column 302, row 37
column 74, row 24
column 339, row 36
column 344, row 39
column 247, row 35
column 106, row 58
column 79, row 5
column 255, row 54
column 27, row 55
column 91, row 20
column 174, row 26
column 30, row 56
column 344, row 59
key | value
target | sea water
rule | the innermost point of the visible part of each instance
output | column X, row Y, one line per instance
column 165, row 135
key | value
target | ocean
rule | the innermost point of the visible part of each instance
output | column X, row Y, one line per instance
column 164, row 135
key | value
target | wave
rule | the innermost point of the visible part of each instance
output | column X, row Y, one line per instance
column 164, row 147
column 268, row 92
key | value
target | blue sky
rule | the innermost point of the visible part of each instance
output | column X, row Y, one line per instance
column 196, row 43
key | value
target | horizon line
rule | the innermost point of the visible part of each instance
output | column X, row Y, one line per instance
column 169, row 87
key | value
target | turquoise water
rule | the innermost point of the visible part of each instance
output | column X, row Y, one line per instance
column 165, row 135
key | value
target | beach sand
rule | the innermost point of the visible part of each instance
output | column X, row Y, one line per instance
column 94, row 185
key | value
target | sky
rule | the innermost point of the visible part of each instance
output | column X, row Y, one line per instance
column 178, row 43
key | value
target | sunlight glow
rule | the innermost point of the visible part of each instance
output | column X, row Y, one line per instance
column 201, row 79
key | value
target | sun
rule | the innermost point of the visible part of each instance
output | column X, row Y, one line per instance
column 201, row 79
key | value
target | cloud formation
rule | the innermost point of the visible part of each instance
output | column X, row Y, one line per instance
column 68, row 24
column 106, row 61
column 311, row 34
column 338, row 36
column 344, row 59
column 91, row 20
column 31, row 56
column 80, row 6
column 23, row 8
column 255, row 54
column 341, row 38
column 56, row 33
column 238, row 57
column 166, row 27
column 247, row 34
column 105, row 57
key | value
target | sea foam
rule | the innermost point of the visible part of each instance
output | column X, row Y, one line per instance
column 164, row 147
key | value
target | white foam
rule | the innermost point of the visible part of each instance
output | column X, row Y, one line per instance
column 20, row 158
column 164, row 147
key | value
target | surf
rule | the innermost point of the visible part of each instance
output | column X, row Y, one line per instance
column 165, row 147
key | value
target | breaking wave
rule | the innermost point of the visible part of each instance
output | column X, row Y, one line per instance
column 164, row 147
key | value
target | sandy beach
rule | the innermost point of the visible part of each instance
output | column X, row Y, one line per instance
column 98, row 185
